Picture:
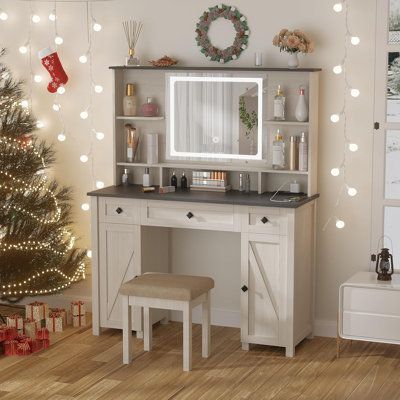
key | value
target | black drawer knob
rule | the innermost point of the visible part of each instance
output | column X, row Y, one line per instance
column 245, row 288
column 264, row 220
column 190, row 215
column 119, row 210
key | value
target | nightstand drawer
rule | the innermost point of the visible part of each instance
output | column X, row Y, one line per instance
column 266, row 220
column 120, row 211
column 186, row 215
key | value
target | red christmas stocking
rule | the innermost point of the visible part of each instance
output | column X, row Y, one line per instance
column 54, row 67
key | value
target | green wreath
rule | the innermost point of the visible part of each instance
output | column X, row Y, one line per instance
column 239, row 22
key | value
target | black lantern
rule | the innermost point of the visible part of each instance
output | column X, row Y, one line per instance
column 384, row 265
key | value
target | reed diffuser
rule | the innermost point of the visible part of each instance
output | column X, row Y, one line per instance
column 132, row 30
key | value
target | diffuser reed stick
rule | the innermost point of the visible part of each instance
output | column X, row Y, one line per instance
column 132, row 30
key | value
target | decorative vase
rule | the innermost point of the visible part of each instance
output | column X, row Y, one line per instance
column 293, row 61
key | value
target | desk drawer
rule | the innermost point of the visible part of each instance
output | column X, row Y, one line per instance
column 266, row 220
column 120, row 211
column 189, row 215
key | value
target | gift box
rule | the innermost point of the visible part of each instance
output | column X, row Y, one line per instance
column 42, row 334
column 30, row 327
column 45, row 343
column 10, row 347
column 36, row 345
column 78, row 320
column 63, row 313
column 15, row 321
column 23, row 348
column 37, row 311
column 7, row 333
column 78, row 313
column 54, row 322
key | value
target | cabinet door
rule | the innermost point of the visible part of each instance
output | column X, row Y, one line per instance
column 263, row 277
column 119, row 262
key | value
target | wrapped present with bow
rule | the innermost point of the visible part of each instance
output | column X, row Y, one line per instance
column 37, row 311
column 54, row 322
column 63, row 313
column 30, row 328
column 23, row 348
column 42, row 334
column 78, row 313
column 15, row 321
column 10, row 347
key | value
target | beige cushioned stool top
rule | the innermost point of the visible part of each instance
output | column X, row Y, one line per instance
column 167, row 286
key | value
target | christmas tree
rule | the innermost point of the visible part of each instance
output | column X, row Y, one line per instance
column 37, row 254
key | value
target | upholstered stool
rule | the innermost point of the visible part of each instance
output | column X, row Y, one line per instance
column 168, row 292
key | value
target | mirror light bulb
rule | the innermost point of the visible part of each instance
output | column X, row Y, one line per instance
column 355, row 92
column 355, row 40
column 61, row 90
column 85, row 207
column 24, row 103
column 338, row 7
column 337, row 69
column 84, row 114
column 3, row 16
column 89, row 253
column 340, row 224
column 56, row 107
column 353, row 147
column 98, row 88
column 52, row 16
column 335, row 171
column 84, row 158
column 83, row 59
column 351, row 191
column 335, row 118
column 97, row 27
column 39, row 124
column 61, row 137
column 99, row 135
column 99, row 184
column 35, row 18
column 23, row 49
column 58, row 40
column 37, row 78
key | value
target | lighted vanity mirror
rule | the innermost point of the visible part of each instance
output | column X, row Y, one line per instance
column 216, row 117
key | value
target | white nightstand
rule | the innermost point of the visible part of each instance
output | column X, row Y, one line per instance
column 369, row 309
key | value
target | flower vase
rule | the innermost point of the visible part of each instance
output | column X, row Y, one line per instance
column 293, row 61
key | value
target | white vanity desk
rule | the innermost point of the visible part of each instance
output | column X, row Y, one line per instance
column 277, row 254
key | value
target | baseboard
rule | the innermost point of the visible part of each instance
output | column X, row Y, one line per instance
column 326, row 328
column 219, row 317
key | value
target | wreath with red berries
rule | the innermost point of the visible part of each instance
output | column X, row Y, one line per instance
column 239, row 22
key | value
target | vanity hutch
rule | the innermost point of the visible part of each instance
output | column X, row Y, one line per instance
column 131, row 229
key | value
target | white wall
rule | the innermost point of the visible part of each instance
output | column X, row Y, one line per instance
column 169, row 29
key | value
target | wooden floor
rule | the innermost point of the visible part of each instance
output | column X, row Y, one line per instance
column 81, row 366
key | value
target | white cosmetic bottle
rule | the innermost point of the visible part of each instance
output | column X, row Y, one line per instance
column 303, row 153
column 301, row 112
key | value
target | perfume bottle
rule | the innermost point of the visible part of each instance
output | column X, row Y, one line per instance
column 279, row 105
column 130, row 101
column 184, row 183
column 278, row 152
column 149, row 109
column 301, row 112
column 126, row 177
column 174, row 180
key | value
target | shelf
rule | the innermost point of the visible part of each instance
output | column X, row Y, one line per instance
column 209, row 167
column 286, row 123
column 122, row 117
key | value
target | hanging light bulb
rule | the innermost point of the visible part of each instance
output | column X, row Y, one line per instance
column 61, row 90
column 58, row 40
column 96, row 26
column 85, row 207
column 84, row 158
column 56, row 107
column 84, row 114
column 83, row 59
column 89, row 253
column 337, row 69
column 338, row 7
column 24, row 103
column 61, row 137
column 23, row 49
column 355, row 40
column 99, row 184
column 98, row 88
column 37, row 78
column 355, row 92
column 3, row 16
column 52, row 16
column 99, row 135
column 335, row 171
column 351, row 191
column 335, row 118
column 353, row 147
column 35, row 18
column 340, row 224
column 39, row 124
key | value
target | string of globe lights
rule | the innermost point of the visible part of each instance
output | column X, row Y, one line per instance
column 349, row 145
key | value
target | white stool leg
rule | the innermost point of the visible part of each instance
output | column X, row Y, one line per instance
column 148, row 329
column 187, row 337
column 205, row 328
column 126, row 330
